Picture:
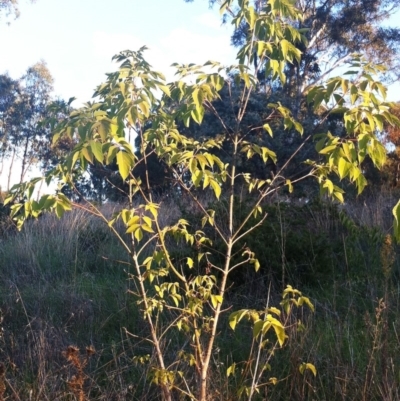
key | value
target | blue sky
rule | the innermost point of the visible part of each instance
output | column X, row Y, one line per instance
column 77, row 38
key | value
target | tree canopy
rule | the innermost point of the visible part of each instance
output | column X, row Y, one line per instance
column 23, row 106
column 334, row 30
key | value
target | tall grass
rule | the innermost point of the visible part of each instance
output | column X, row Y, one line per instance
column 65, row 282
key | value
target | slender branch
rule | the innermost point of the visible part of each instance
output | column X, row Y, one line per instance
column 147, row 243
column 171, row 324
column 254, row 381
column 243, row 262
column 258, row 224
column 305, row 87
column 200, row 205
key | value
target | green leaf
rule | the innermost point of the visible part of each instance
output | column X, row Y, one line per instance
column 329, row 185
column 97, row 150
column 338, row 196
column 60, row 210
column 197, row 176
column 256, row 265
column 267, row 153
column 216, row 187
column 152, row 208
column 138, row 234
column 361, row 183
column 354, row 93
column 305, row 300
column 165, row 89
column 147, row 228
column 298, row 127
column 327, row 150
column 320, row 144
column 87, row 154
column 285, row 48
column 318, row 98
column 307, row 366
column 246, row 79
column 343, row 167
column 215, row 300
column 128, row 219
column 268, row 128
column 251, row 16
column 231, row 370
column 274, row 310
column 198, row 114
column 46, row 202
column 147, row 220
column 396, row 225
column 258, row 325
column 290, row 185
column 111, row 153
column 279, row 329
column 103, row 128
column 236, row 317
column 197, row 98
column 132, row 228
column 144, row 107
column 125, row 163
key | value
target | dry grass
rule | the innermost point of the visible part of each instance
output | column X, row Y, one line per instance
column 2, row 381
column 78, row 362
column 64, row 282
column 375, row 210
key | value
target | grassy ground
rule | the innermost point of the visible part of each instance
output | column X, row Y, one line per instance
column 65, row 282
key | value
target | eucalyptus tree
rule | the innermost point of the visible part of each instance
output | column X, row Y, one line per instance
column 183, row 299
column 23, row 105
column 9, row 92
column 390, row 177
column 335, row 30
column 38, row 85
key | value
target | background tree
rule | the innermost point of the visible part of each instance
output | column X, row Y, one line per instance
column 390, row 178
column 23, row 105
column 38, row 85
column 10, row 91
column 334, row 30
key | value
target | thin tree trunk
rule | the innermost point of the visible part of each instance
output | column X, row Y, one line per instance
column 210, row 346
column 10, row 171
column 24, row 161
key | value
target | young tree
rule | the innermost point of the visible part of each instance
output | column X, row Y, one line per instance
column 185, row 299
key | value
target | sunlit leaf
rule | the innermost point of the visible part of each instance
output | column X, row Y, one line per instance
column 97, row 150
column 307, row 366
column 216, row 187
column 125, row 163
column 396, row 225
